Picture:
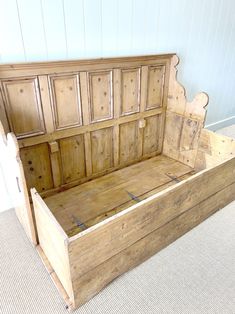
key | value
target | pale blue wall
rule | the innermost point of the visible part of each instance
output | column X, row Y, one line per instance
column 202, row 32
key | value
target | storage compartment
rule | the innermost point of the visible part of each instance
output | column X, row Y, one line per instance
column 90, row 203
column 116, row 161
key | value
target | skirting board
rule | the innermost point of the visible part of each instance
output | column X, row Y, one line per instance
column 221, row 124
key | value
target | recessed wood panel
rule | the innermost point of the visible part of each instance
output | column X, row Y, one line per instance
column 155, row 87
column 102, row 149
column 72, row 158
column 130, row 91
column 37, row 167
column 128, row 142
column 100, row 96
column 23, row 107
column 66, row 101
column 151, row 135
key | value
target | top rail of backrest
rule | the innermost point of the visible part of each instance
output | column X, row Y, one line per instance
column 8, row 70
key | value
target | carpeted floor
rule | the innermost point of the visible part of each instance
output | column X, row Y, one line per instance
column 195, row 274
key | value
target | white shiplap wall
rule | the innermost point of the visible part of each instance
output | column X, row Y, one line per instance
column 201, row 32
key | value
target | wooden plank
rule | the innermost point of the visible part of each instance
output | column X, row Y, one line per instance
column 46, row 103
column 72, row 152
column 120, row 231
column 21, row 197
column 128, row 150
column 90, row 283
column 102, row 150
column 151, row 135
column 55, row 163
column 143, row 88
column 87, row 139
column 117, row 108
column 37, row 167
column 213, row 149
column 52, row 240
column 40, row 68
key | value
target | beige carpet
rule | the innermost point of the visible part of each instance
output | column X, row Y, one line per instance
column 196, row 274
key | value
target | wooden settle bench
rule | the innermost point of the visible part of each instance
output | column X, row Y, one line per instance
column 111, row 161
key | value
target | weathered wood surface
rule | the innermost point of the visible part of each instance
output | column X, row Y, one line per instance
column 213, row 149
column 184, row 120
column 53, row 241
column 19, row 192
column 113, row 108
column 122, row 230
column 84, row 119
column 104, row 197
column 90, row 283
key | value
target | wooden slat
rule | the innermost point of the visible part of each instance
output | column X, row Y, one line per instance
column 72, row 152
column 40, row 68
column 55, row 163
column 46, row 103
column 117, row 108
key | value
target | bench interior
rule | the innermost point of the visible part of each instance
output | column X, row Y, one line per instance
column 81, row 207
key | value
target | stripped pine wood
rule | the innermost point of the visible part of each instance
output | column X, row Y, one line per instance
column 120, row 157
column 184, row 120
column 52, row 241
column 90, row 283
column 113, row 235
column 23, row 209
column 109, row 197
column 28, row 119
column 67, row 102
column 213, row 149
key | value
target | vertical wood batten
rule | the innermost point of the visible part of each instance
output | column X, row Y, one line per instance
column 86, row 120
column 55, row 163
column 117, row 108
column 46, row 102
